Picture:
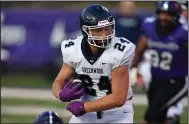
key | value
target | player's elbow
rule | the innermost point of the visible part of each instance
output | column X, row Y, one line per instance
column 120, row 101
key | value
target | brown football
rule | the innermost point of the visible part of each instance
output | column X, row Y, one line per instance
column 75, row 82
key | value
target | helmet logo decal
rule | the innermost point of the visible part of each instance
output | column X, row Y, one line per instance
column 165, row 6
column 104, row 22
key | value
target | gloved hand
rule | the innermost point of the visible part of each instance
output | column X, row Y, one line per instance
column 133, row 76
column 76, row 108
column 69, row 93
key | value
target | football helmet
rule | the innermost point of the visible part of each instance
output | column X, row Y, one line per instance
column 184, row 5
column 48, row 117
column 168, row 14
column 172, row 7
column 96, row 19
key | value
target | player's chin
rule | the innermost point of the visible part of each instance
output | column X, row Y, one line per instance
column 101, row 42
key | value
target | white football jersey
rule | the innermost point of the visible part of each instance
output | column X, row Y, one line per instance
column 96, row 73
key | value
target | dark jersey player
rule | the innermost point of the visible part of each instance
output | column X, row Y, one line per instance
column 166, row 39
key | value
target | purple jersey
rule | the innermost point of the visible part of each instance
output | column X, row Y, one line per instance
column 169, row 54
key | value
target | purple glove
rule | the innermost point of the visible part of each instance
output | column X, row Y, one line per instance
column 67, row 94
column 76, row 108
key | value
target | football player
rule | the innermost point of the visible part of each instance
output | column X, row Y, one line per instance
column 101, row 62
column 184, row 6
column 166, row 40
column 48, row 117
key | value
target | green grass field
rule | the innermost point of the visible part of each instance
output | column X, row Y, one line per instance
column 21, row 79
column 10, row 118
column 34, row 80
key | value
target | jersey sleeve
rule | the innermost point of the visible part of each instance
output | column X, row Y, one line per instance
column 127, row 56
column 66, row 55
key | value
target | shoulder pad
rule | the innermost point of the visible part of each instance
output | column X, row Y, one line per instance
column 70, row 43
column 121, row 44
column 123, row 52
column 149, row 19
column 69, row 50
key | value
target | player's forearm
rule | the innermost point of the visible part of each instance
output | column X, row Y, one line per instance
column 56, row 89
column 137, row 58
column 141, row 47
column 105, row 103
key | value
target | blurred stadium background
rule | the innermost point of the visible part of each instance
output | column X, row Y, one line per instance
column 31, row 33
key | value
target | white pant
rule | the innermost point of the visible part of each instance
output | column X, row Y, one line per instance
column 122, row 116
column 175, row 110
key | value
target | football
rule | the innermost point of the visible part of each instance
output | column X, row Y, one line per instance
column 75, row 82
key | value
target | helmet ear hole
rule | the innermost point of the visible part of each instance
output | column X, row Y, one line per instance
column 84, row 27
column 85, row 31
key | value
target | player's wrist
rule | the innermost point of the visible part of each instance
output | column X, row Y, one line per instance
column 58, row 96
column 84, row 111
column 85, row 107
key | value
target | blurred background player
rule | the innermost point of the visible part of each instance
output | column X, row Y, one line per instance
column 127, row 22
column 128, row 25
column 48, row 117
column 175, row 111
column 167, row 42
column 184, row 6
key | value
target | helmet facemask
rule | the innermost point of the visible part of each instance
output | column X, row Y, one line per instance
column 172, row 19
column 100, row 35
column 166, row 24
